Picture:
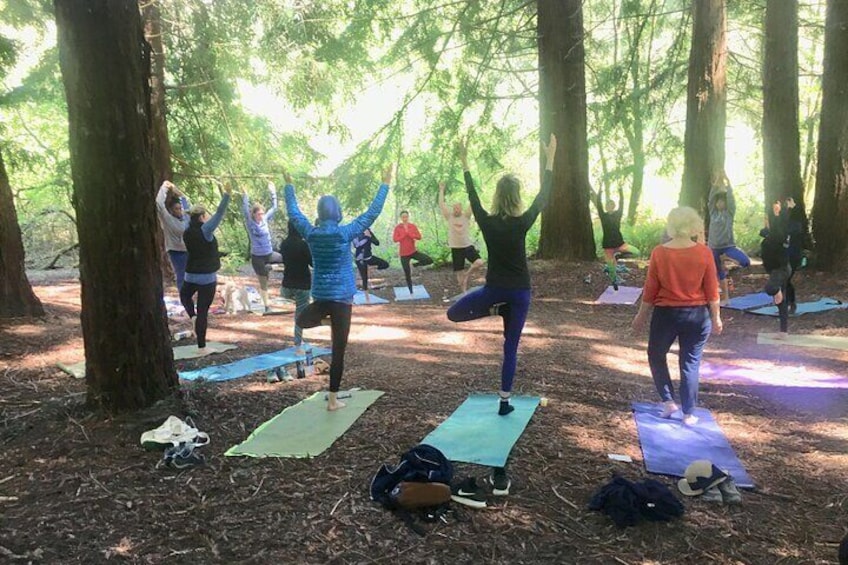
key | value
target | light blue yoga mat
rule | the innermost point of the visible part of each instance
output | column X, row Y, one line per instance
column 749, row 301
column 359, row 299
column 242, row 367
column 821, row 305
column 475, row 433
column 418, row 293
column 669, row 446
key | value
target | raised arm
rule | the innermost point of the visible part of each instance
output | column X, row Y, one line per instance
column 542, row 198
column 273, row 209
column 373, row 236
column 301, row 222
column 442, row 205
column 245, row 205
column 595, row 197
column 620, row 197
column 360, row 223
column 731, row 201
column 208, row 228
column 161, row 196
column 476, row 208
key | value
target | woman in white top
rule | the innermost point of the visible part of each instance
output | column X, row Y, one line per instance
column 459, row 240
column 171, row 204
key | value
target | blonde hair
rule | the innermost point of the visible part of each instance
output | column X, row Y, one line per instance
column 197, row 210
column 684, row 222
column 507, row 200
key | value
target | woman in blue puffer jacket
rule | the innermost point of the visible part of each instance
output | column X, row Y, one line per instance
column 333, row 279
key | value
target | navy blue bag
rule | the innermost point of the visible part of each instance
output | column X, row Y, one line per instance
column 422, row 464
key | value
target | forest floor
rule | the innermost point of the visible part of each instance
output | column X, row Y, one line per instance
column 76, row 487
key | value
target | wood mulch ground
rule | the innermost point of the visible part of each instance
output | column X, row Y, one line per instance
column 76, row 487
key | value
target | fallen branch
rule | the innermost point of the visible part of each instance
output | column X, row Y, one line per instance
column 65, row 251
column 562, row 498
column 339, row 502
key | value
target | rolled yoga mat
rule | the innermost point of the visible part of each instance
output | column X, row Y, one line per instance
column 669, row 446
column 475, row 433
column 624, row 295
column 242, row 367
column 306, row 429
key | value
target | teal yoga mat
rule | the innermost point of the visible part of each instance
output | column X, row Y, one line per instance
column 306, row 429
column 475, row 433
column 244, row 367
column 821, row 305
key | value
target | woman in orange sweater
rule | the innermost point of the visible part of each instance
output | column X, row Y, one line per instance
column 681, row 292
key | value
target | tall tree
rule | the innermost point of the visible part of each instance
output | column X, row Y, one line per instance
column 830, row 211
column 160, row 144
column 129, row 361
column 16, row 296
column 781, row 141
column 706, row 105
column 566, row 224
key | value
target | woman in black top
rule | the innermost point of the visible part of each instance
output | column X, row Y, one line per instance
column 297, row 280
column 612, row 242
column 507, row 289
column 364, row 258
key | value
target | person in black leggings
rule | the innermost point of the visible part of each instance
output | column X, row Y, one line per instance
column 364, row 259
column 405, row 235
column 333, row 281
column 204, row 260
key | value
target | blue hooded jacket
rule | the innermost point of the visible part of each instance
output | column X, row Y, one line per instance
column 333, row 276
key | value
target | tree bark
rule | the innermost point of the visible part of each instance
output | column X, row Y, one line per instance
column 830, row 211
column 781, row 138
column 566, row 231
column 129, row 361
column 706, row 107
column 16, row 296
column 160, row 143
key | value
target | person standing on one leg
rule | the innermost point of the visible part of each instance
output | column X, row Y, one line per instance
column 297, row 280
column 334, row 283
column 405, row 235
column 507, row 289
column 681, row 295
column 258, row 229
column 722, row 207
column 364, row 258
column 204, row 261
column 172, row 205
column 459, row 240
column 613, row 242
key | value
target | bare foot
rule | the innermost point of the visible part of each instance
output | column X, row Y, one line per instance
column 336, row 405
column 778, row 298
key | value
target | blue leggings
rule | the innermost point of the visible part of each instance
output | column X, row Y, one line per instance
column 516, row 303
column 179, row 260
column 734, row 253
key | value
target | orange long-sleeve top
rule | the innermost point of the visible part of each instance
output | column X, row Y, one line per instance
column 406, row 235
column 681, row 277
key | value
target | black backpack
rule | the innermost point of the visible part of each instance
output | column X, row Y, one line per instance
column 421, row 464
column 627, row 503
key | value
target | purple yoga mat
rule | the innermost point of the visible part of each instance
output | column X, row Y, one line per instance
column 624, row 295
column 783, row 376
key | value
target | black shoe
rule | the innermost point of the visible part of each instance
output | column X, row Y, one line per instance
column 469, row 494
column 499, row 481
column 793, row 307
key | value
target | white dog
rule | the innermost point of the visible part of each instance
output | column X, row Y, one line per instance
column 235, row 298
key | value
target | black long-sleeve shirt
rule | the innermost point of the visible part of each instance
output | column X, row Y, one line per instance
column 610, row 222
column 297, row 259
column 505, row 237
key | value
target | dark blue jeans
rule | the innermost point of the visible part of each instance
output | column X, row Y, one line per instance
column 478, row 303
column 691, row 326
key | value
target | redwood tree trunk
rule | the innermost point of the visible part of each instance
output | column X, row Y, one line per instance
column 781, row 140
column 830, row 211
column 566, row 222
column 706, row 107
column 16, row 296
column 160, row 143
column 129, row 362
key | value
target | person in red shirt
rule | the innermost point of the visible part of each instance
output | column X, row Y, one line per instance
column 681, row 293
column 405, row 235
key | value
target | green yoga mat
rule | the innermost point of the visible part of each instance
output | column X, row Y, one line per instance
column 814, row 341
column 475, row 433
column 306, row 429
column 77, row 370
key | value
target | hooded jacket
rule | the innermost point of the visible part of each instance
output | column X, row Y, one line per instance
column 333, row 276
